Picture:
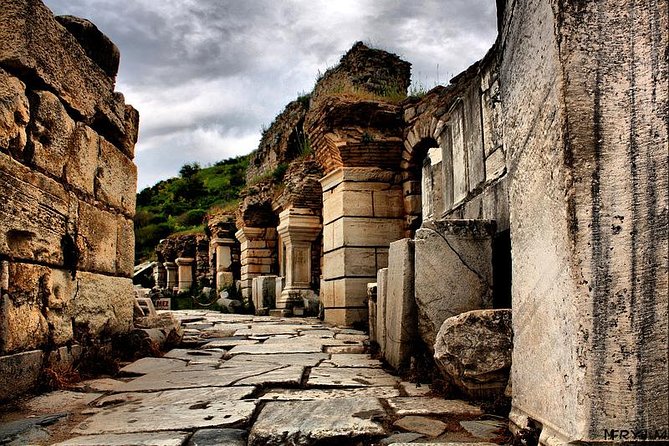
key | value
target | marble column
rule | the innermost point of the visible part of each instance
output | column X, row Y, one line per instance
column 298, row 229
column 185, row 265
column 170, row 275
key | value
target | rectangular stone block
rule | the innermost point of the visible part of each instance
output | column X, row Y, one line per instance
column 453, row 271
column 388, row 203
column 351, row 292
column 103, row 305
column 349, row 262
column 474, row 137
column 19, row 373
column 371, row 304
column 97, row 239
column 360, row 231
column 381, row 308
column 264, row 292
column 458, row 156
column 495, row 165
column 34, row 214
column 256, row 269
column 341, row 203
column 125, row 246
column 401, row 318
column 345, row 317
column 116, row 178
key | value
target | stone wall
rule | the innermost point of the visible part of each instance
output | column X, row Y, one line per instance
column 585, row 128
column 68, row 191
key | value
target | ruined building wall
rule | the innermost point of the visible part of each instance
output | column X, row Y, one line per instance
column 584, row 93
column 68, row 187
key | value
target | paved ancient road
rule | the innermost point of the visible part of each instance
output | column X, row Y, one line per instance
column 241, row 380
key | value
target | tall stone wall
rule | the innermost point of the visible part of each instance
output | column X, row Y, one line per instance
column 584, row 93
column 68, row 187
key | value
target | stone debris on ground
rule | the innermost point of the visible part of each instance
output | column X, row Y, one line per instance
column 260, row 381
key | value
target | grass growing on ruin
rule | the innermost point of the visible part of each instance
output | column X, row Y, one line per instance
column 179, row 204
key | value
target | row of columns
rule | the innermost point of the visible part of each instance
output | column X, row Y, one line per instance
column 177, row 274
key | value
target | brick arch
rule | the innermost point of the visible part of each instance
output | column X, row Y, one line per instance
column 411, row 176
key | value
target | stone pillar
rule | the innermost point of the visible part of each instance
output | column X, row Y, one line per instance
column 258, row 255
column 160, row 275
column 170, row 275
column 222, row 247
column 453, row 271
column 362, row 213
column 298, row 229
column 185, row 265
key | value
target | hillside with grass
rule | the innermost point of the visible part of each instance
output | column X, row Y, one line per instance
column 179, row 205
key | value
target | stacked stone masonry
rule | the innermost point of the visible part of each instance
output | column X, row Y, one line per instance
column 68, row 189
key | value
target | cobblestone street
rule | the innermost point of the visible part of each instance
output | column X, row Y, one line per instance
column 240, row 380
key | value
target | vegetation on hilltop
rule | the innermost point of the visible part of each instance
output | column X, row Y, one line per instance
column 180, row 204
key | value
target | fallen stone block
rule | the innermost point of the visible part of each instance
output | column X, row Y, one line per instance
column 19, row 373
column 473, row 352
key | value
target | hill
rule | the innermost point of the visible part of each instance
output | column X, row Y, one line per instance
column 180, row 204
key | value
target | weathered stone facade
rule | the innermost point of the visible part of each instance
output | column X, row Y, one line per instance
column 536, row 180
column 68, row 192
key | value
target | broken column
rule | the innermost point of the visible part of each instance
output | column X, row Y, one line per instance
column 298, row 229
column 171, row 279
column 160, row 275
column 362, row 214
column 258, row 255
column 453, row 268
column 401, row 318
column 371, row 302
column 222, row 248
column 264, row 293
column 185, row 265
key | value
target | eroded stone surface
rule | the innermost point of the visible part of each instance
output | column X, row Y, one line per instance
column 326, row 394
column 308, row 422
column 421, row 425
column 63, row 400
column 145, row 366
column 432, row 406
column 217, row 437
column 135, row 439
column 173, row 410
column 349, row 377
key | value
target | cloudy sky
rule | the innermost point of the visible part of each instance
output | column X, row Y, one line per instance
column 206, row 75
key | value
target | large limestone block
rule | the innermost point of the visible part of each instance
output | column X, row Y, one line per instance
column 22, row 324
column 473, row 352
column 14, row 113
column 116, row 178
column 51, row 134
column 103, row 305
column 97, row 239
column 34, row 214
column 401, row 319
column 453, row 271
column 125, row 246
column 32, row 41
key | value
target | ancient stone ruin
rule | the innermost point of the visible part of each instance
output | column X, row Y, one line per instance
column 68, row 194
column 508, row 232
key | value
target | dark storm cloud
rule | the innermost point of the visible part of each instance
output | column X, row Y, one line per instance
column 207, row 74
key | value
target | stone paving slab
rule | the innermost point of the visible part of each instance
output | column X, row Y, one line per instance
column 228, row 343
column 153, row 365
column 135, row 439
column 303, row 359
column 268, row 329
column 413, row 389
column 327, row 394
column 349, row 377
column 345, row 349
column 218, row 437
column 174, row 410
column 187, row 354
column 450, row 443
column 222, row 377
column 310, row 422
column 416, row 405
column 351, row 360
column 422, row 425
column 62, row 400
column 99, row 385
column 274, row 349
column 285, row 375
